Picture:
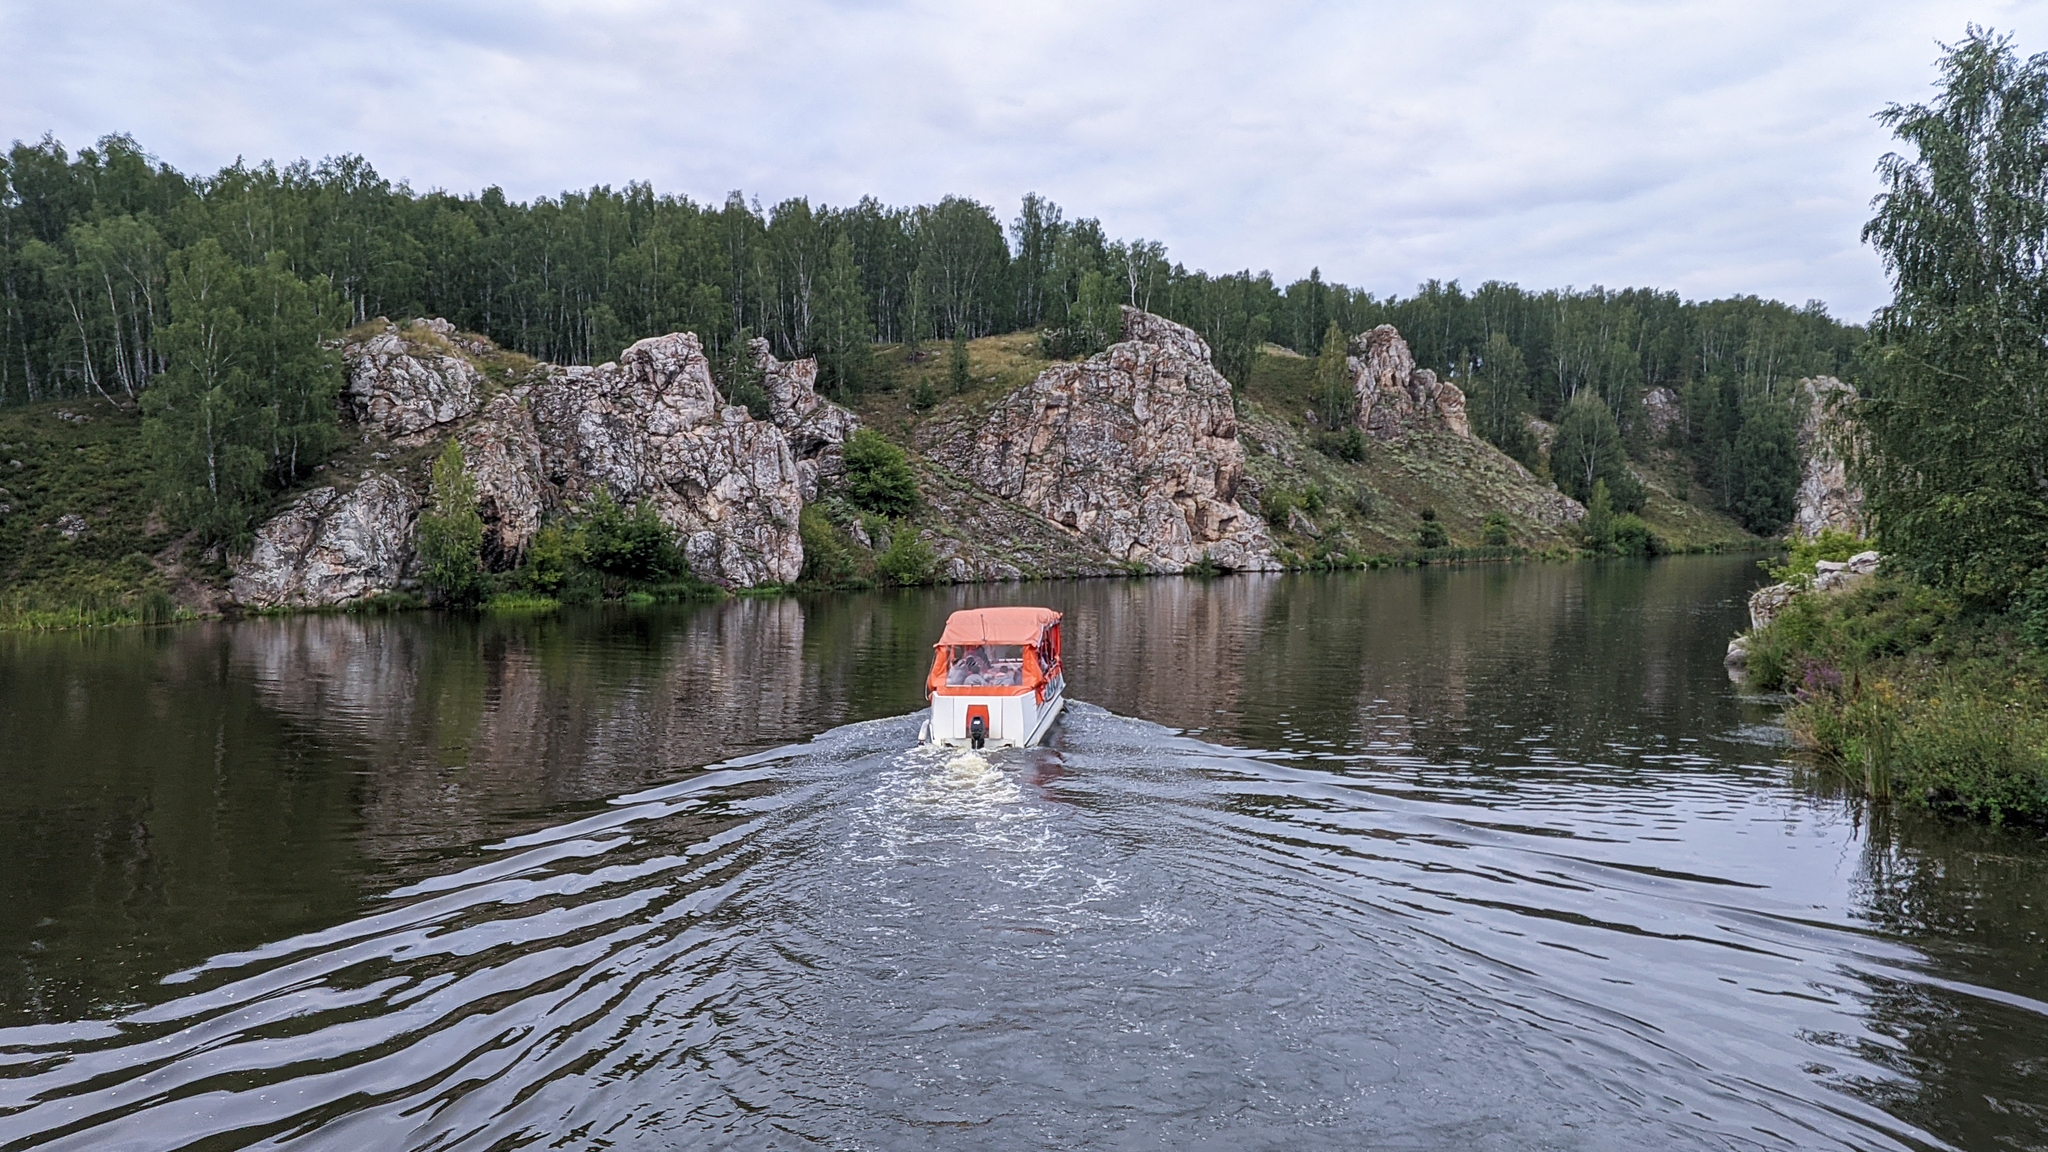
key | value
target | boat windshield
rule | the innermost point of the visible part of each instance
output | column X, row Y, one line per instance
column 985, row 665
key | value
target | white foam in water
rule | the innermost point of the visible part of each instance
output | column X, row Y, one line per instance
column 967, row 784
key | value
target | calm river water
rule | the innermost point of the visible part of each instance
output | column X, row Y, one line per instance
column 1491, row 858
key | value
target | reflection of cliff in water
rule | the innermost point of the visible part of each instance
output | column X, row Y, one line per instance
column 462, row 725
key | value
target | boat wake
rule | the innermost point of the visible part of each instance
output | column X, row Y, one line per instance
column 1133, row 939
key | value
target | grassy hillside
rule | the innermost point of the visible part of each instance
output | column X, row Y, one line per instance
column 1369, row 507
column 79, row 543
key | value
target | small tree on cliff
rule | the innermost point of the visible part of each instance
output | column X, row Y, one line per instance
column 451, row 534
column 1336, row 398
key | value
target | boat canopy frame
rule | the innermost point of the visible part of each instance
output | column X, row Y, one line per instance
column 1036, row 630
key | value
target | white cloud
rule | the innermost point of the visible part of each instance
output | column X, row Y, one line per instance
column 1709, row 147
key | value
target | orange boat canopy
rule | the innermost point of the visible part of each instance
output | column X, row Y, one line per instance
column 998, row 626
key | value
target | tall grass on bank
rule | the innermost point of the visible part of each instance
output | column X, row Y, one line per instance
column 1900, row 689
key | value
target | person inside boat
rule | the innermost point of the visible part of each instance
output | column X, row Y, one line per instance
column 986, row 665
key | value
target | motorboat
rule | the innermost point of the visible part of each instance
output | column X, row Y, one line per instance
column 996, row 678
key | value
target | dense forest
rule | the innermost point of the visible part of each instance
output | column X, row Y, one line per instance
column 98, row 249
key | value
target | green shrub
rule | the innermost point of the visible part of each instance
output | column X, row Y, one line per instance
column 924, row 397
column 552, row 556
column 907, row 560
column 1430, row 533
column 1277, row 504
column 1495, row 534
column 1803, row 557
column 828, row 559
column 633, row 546
column 1345, row 444
column 1903, row 690
column 878, row 475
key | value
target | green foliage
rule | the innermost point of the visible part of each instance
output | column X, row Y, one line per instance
column 1336, row 404
column 923, row 397
column 1589, row 451
column 1347, row 445
column 878, row 475
column 632, row 547
column 1902, row 688
column 1619, row 533
column 1957, row 383
column 1498, row 399
column 740, row 377
column 552, row 557
column 1495, row 533
column 1430, row 532
column 844, row 336
column 828, row 560
column 451, row 534
column 248, row 398
column 1095, row 319
column 1765, row 460
column 1803, row 558
column 907, row 559
column 957, row 364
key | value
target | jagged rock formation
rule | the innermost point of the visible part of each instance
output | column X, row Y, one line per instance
column 1394, row 396
column 650, row 427
column 331, row 546
column 653, row 427
column 1827, row 498
column 815, row 427
column 401, row 384
column 1134, row 449
column 1661, row 412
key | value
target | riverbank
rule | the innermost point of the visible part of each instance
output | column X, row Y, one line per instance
column 909, row 485
column 1900, row 689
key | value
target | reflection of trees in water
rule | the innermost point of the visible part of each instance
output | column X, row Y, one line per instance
column 1974, row 902
column 154, row 815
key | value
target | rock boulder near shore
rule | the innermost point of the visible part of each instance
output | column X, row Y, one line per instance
column 1134, row 450
column 1768, row 601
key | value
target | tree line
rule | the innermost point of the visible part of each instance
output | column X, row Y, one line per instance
column 93, row 247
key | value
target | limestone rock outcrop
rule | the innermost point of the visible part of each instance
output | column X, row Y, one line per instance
column 331, row 546
column 1661, row 412
column 404, row 382
column 1827, row 497
column 815, row 427
column 652, row 427
column 1394, row 396
column 1135, row 450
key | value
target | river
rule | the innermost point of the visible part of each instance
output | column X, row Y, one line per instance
column 1486, row 858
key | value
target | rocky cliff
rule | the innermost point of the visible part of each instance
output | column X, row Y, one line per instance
column 649, row 427
column 1827, row 498
column 1134, row 451
column 1394, row 396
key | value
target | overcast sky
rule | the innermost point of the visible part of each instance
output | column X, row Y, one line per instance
column 1708, row 146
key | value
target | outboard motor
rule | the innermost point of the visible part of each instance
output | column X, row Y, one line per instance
column 977, row 730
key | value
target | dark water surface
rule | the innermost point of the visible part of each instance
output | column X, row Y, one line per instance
column 1491, row 858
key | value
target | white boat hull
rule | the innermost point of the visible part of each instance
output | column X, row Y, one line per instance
column 1019, row 721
